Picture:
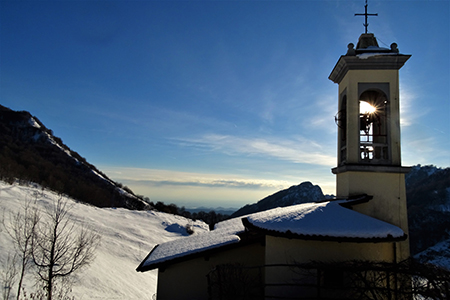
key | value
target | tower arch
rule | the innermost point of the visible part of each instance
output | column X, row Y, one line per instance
column 341, row 122
column 373, row 127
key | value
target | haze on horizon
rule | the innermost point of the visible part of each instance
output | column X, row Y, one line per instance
column 216, row 103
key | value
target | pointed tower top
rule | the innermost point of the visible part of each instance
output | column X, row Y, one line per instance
column 367, row 40
column 366, row 15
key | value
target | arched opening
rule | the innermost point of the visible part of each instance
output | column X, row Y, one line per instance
column 341, row 121
column 373, row 131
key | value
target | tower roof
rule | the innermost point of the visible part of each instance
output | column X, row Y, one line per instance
column 367, row 56
column 367, row 43
column 367, row 40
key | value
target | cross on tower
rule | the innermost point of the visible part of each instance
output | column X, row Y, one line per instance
column 366, row 24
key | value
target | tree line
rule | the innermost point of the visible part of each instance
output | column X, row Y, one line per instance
column 210, row 217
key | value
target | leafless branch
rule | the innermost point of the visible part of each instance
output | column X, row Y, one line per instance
column 61, row 248
column 20, row 228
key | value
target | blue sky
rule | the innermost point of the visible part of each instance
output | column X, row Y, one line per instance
column 215, row 103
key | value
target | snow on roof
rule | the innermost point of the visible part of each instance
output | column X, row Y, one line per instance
column 328, row 219
column 232, row 226
column 370, row 51
column 188, row 245
column 371, row 54
column 224, row 233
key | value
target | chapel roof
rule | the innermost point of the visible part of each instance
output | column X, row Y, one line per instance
column 324, row 221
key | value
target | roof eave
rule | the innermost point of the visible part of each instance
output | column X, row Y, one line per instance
column 142, row 267
column 377, row 62
column 246, row 239
column 323, row 238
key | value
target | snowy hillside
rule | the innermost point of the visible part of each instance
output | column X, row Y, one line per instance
column 438, row 255
column 127, row 237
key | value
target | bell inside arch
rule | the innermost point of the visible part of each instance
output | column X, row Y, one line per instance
column 373, row 109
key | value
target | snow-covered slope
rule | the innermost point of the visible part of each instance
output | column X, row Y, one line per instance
column 438, row 255
column 127, row 237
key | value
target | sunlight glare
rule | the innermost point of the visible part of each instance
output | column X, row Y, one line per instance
column 366, row 108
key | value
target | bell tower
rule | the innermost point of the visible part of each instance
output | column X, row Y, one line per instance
column 368, row 119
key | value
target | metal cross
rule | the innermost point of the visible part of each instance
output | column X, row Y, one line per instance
column 366, row 24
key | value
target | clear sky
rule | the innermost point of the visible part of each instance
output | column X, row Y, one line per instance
column 216, row 103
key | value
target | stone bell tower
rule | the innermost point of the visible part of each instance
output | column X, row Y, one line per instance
column 368, row 119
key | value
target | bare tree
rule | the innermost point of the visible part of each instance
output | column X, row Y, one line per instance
column 21, row 229
column 59, row 247
column 9, row 275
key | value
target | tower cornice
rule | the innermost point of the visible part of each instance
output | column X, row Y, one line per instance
column 371, row 168
column 367, row 61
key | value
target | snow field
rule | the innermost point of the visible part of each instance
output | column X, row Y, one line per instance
column 126, row 238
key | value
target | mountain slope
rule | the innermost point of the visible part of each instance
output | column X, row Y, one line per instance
column 438, row 254
column 127, row 236
column 428, row 194
column 302, row 193
column 29, row 151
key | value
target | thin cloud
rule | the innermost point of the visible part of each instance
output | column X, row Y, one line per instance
column 326, row 107
column 421, row 149
column 296, row 150
column 407, row 105
column 156, row 177
column 210, row 184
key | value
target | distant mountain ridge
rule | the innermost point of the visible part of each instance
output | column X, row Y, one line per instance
column 297, row 194
column 29, row 151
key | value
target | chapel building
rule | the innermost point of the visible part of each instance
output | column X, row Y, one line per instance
column 283, row 253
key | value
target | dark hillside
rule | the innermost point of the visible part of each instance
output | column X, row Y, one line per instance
column 428, row 194
column 30, row 152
